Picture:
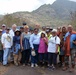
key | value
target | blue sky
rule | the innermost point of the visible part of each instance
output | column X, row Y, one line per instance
column 10, row 6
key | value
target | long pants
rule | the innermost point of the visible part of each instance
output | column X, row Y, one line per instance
column 11, row 54
column 61, row 58
column 43, row 57
column 5, row 55
column 1, row 55
column 34, row 59
column 52, row 58
column 25, row 56
column 73, row 56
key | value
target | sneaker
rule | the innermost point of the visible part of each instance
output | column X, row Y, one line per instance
column 49, row 67
column 36, row 65
column 32, row 65
column 53, row 68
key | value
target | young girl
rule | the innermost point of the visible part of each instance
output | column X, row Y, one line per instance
column 16, row 50
column 43, row 50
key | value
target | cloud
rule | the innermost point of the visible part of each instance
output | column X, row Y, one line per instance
column 73, row 0
column 10, row 6
column 47, row 1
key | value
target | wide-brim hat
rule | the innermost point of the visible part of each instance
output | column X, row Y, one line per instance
column 17, row 30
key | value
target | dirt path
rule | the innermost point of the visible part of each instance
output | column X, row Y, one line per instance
column 27, row 70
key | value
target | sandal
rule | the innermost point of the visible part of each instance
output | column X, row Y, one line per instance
column 71, row 70
column 65, row 68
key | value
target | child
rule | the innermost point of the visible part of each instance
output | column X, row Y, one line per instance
column 16, row 50
column 43, row 50
column 1, row 48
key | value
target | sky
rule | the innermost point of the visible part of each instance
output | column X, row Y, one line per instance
column 10, row 6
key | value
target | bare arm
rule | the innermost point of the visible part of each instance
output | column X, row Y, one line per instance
column 21, row 39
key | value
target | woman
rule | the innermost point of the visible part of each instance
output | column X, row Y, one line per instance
column 25, row 45
column 16, row 47
column 61, row 55
column 53, row 45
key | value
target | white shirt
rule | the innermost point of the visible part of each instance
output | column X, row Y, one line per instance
column 53, row 41
column 34, row 39
column 11, row 32
column 6, row 40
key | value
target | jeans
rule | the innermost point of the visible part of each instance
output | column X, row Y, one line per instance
column 11, row 54
column 34, row 59
column 1, row 55
column 5, row 55
column 25, row 56
column 52, row 58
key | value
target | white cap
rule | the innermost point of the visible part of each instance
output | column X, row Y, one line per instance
column 54, row 30
column 3, row 25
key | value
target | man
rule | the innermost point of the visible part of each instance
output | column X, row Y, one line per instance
column 37, row 26
column 11, row 32
column 3, row 28
column 24, row 23
column 58, row 31
column 22, row 29
column 34, row 43
column 7, row 43
column 70, row 48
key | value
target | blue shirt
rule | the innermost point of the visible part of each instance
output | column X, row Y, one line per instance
column 34, row 39
column 4, row 31
column 72, row 38
column 16, row 40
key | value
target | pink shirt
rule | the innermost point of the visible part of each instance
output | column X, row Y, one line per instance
column 42, row 46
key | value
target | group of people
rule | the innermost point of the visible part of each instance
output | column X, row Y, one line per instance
column 38, row 47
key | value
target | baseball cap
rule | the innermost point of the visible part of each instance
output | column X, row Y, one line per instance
column 3, row 25
column 54, row 30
